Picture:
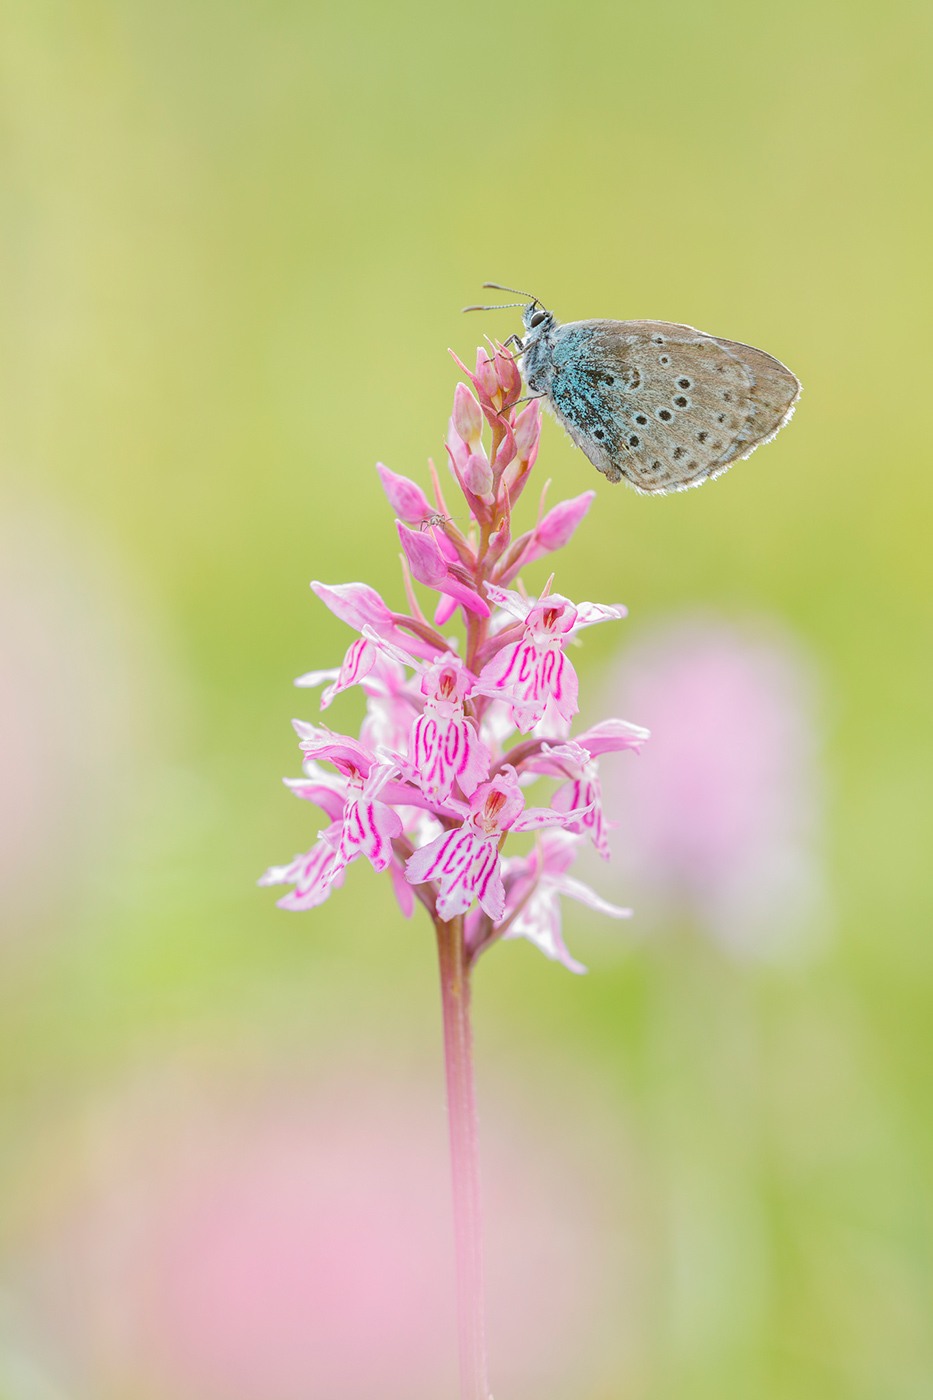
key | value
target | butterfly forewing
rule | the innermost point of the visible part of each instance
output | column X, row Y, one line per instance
column 665, row 405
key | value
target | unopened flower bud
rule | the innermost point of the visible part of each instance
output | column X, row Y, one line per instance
column 477, row 474
column 458, row 449
column 527, row 431
column 558, row 526
column 425, row 559
column 488, row 379
column 467, row 415
column 509, row 377
column 405, row 497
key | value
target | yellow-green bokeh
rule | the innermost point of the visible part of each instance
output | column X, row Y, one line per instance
column 236, row 238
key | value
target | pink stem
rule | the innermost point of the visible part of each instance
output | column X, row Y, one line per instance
column 464, row 1157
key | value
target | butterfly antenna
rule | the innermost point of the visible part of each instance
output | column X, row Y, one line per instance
column 498, row 287
column 503, row 307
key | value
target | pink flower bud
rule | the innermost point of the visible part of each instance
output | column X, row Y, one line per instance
column 487, row 380
column 458, row 449
column 428, row 566
column 497, row 378
column 467, row 415
column 509, row 377
column 477, row 474
column 425, row 559
column 405, row 497
column 527, row 431
column 558, row 526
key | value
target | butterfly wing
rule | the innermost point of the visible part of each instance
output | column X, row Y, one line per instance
column 662, row 405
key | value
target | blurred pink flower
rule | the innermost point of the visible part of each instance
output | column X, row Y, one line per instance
column 717, row 819
column 213, row 1241
column 535, row 884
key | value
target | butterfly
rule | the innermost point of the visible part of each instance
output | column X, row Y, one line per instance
column 660, row 405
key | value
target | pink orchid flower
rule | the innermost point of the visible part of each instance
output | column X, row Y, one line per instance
column 536, row 883
column 466, row 862
column 532, row 669
column 312, row 874
column 576, row 761
column 445, row 746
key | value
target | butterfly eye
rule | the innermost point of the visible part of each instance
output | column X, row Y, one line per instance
column 538, row 317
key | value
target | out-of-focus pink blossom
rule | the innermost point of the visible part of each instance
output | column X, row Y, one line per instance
column 717, row 819
column 535, row 884
column 314, row 874
column 263, row 1237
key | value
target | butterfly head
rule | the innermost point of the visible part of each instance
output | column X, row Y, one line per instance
column 536, row 318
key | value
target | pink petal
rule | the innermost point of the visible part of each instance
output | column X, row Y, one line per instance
column 402, row 889
column 333, row 803
column 368, row 829
column 588, row 614
column 540, row 922
column 584, row 895
column 477, row 474
column 535, row 818
column 314, row 875
column 445, row 751
column 444, row 611
column 584, row 794
column 528, row 431
column 443, row 855
column 465, row 595
column 612, row 734
column 358, row 662
column 405, row 497
column 310, row 679
column 355, row 603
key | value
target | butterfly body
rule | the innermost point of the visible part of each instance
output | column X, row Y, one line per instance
column 661, row 405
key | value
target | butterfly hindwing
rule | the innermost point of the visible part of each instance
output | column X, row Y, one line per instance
column 663, row 405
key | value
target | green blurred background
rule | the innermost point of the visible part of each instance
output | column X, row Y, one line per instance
column 235, row 241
